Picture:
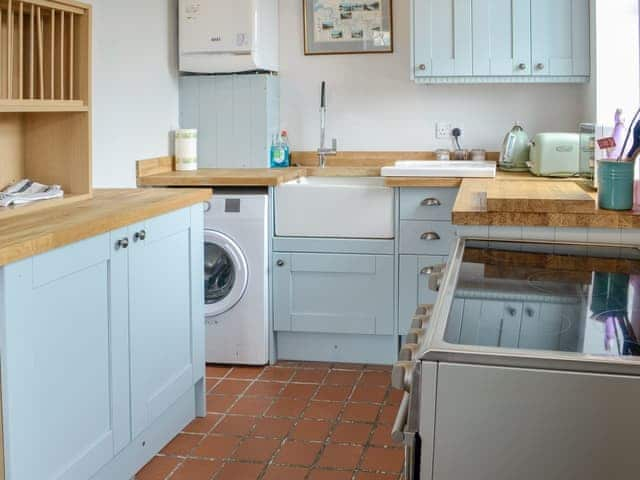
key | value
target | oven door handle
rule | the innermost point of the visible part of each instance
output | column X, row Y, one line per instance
column 397, row 433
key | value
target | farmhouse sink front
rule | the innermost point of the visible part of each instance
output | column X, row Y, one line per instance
column 335, row 207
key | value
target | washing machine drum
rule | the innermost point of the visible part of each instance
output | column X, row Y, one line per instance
column 226, row 273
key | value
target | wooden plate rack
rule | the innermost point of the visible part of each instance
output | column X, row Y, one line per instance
column 45, row 97
column 43, row 55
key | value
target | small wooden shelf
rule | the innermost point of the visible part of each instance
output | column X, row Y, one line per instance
column 43, row 106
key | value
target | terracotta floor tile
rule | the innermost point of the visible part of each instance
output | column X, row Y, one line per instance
column 251, row 406
column 310, row 375
column 240, row 471
column 388, row 460
column 217, row 371
column 382, row 379
column 214, row 446
column 158, row 468
column 298, row 453
column 394, row 397
column 348, row 366
column 382, row 436
column 203, row 425
column 196, row 469
column 333, row 393
column 360, row 412
column 299, row 390
column 323, row 410
column 388, row 415
column 311, row 430
column 287, row 407
column 376, row 476
column 219, row 403
column 371, row 394
column 210, row 383
column 342, row 377
column 182, row 444
column 357, row 433
column 256, row 449
column 230, row 387
column 272, row 427
column 277, row 374
column 245, row 373
column 341, row 456
column 265, row 389
column 233, row 425
column 275, row 472
column 330, row 475
column 379, row 368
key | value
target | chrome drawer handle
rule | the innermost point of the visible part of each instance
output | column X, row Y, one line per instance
column 430, row 236
column 431, row 202
column 433, row 269
column 124, row 243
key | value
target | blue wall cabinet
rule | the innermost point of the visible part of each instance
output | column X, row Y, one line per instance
column 97, row 340
column 443, row 33
column 484, row 41
column 502, row 37
column 325, row 293
column 560, row 33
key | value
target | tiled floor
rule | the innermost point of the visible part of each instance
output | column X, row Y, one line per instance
column 293, row 421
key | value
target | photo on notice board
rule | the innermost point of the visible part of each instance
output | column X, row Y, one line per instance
column 342, row 26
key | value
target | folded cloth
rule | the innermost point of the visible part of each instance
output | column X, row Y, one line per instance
column 26, row 191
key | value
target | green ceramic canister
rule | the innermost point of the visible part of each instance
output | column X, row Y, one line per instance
column 615, row 185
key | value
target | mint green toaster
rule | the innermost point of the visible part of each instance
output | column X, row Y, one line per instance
column 555, row 155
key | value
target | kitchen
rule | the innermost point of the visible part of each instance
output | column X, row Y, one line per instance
column 367, row 319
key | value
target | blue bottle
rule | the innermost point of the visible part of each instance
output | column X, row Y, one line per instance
column 278, row 157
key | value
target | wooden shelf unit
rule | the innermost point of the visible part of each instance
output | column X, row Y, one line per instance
column 45, row 95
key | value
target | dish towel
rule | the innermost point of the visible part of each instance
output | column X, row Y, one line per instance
column 27, row 191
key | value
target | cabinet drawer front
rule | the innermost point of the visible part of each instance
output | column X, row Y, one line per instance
column 427, row 204
column 347, row 294
column 426, row 238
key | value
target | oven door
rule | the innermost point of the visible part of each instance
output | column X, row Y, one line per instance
column 407, row 423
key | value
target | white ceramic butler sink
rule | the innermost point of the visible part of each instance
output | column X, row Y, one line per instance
column 335, row 207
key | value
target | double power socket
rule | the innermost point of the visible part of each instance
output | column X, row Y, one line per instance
column 444, row 130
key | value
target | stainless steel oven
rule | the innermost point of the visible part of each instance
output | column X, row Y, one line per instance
column 524, row 348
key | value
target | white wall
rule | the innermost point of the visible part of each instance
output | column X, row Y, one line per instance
column 373, row 105
column 135, row 86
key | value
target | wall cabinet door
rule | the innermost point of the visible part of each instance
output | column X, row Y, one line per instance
column 560, row 32
column 322, row 293
column 414, row 286
column 443, row 34
column 64, row 362
column 160, row 316
column 501, row 37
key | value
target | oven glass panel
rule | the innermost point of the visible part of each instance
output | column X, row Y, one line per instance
column 548, row 297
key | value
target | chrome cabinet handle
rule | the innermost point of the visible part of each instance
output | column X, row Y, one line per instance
column 433, row 269
column 280, row 263
column 422, row 67
column 431, row 202
column 141, row 235
column 511, row 311
column 530, row 312
column 123, row 243
column 522, row 66
column 429, row 236
column 540, row 66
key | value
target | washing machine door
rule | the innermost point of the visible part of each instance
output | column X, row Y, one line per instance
column 226, row 273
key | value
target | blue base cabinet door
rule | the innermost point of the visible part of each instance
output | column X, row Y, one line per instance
column 160, row 316
column 65, row 400
column 342, row 294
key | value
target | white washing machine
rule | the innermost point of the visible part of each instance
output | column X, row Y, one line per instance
column 236, row 279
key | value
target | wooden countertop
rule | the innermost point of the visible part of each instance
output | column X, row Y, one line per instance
column 40, row 231
column 471, row 209
column 223, row 177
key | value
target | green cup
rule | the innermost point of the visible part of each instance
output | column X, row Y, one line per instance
column 615, row 185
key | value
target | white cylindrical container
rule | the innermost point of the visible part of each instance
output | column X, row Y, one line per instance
column 186, row 150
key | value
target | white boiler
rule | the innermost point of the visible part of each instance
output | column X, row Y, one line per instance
column 228, row 36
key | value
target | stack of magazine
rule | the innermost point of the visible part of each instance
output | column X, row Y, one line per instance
column 27, row 191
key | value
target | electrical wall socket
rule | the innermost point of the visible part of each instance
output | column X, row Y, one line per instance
column 443, row 130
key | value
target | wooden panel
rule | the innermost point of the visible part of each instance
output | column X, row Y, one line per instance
column 566, row 197
column 40, row 231
column 249, row 177
column 11, row 146
column 154, row 166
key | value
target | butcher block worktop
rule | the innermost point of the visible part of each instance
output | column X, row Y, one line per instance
column 34, row 233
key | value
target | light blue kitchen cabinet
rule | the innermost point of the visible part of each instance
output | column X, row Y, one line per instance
column 95, row 340
column 338, row 294
column 443, row 38
column 485, row 41
column 413, row 286
column 560, row 33
column 502, row 37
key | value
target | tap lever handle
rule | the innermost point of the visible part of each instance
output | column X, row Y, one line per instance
column 323, row 97
column 334, row 145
